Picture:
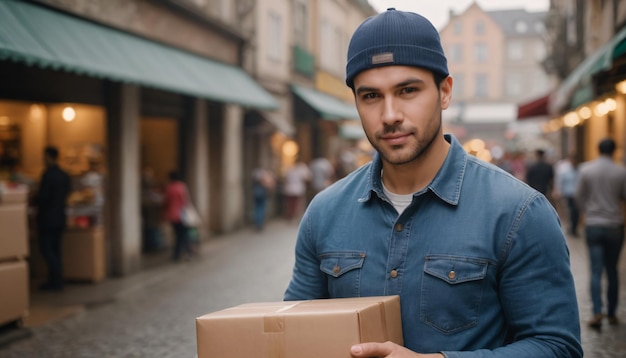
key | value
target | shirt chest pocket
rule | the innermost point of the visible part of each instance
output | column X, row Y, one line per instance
column 343, row 270
column 452, row 290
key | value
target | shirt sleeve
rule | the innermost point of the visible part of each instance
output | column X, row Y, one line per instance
column 308, row 281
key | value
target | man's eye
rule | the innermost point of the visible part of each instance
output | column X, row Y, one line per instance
column 409, row 89
column 370, row 95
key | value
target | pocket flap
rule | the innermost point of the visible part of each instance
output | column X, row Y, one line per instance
column 338, row 263
column 456, row 269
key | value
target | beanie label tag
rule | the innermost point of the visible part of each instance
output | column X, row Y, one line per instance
column 386, row 57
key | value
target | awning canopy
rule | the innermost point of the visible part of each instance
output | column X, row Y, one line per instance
column 278, row 122
column 48, row 39
column 534, row 109
column 327, row 106
column 349, row 130
column 580, row 80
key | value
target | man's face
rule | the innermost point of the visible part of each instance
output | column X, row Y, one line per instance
column 400, row 109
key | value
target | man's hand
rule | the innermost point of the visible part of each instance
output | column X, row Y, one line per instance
column 386, row 350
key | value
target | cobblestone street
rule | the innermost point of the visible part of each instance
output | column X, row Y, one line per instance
column 151, row 314
column 154, row 314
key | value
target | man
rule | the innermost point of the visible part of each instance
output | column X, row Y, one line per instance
column 263, row 184
column 540, row 174
column 54, row 188
column 600, row 194
column 322, row 174
column 566, row 180
column 477, row 257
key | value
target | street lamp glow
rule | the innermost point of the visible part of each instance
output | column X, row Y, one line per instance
column 584, row 112
column 571, row 119
column 601, row 109
column 610, row 104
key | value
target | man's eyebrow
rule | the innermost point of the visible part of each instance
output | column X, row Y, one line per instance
column 410, row 81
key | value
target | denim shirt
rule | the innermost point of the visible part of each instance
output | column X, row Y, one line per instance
column 478, row 259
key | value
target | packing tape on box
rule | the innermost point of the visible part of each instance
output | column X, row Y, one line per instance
column 274, row 325
column 274, row 329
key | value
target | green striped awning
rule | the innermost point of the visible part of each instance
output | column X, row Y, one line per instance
column 577, row 88
column 327, row 106
column 41, row 37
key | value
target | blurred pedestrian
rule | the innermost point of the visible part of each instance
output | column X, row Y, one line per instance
column 294, row 188
column 263, row 184
column 175, row 198
column 566, row 180
column 540, row 173
column 54, row 188
column 322, row 174
column 601, row 194
column 478, row 259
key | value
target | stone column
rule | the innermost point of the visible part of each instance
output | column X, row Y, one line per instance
column 232, row 193
column 197, row 153
column 123, row 216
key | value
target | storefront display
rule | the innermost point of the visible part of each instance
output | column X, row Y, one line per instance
column 13, row 252
column 26, row 129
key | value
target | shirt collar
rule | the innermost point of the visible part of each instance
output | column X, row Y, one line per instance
column 446, row 185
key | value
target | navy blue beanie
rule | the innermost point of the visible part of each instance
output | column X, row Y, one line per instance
column 395, row 38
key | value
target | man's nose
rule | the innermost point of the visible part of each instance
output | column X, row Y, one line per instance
column 391, row 112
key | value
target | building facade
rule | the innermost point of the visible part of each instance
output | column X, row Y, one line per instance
column 588, row 39
column 209, row 88
column 495, row 59
column 138, row 87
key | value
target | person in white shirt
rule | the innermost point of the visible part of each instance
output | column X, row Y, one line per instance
column 294, row 189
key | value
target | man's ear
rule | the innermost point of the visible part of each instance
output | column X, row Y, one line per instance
column 445, row 92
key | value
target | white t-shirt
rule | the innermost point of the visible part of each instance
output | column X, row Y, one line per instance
column 399, row 201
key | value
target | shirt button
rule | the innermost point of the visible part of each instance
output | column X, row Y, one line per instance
column 452, row 275
column 393, row 274
column 336, row 269
column 398, row 227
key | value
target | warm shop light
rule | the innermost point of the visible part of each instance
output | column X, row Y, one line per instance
column 610, row 104
column 290, row 148
column 36, row 112
column 601, row 109
column 584, row 112
column 553, row 125
column 69, row 114
column 621, row 87
column 571, row 119
column 485, row 155
column 476, row 145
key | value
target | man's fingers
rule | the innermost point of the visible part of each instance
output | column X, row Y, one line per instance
column 372, row 349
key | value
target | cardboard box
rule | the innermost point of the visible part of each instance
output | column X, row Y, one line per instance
column 13, row 291
column 83, row 253
column 13, row 231
column 299, row 329
column 13, row 193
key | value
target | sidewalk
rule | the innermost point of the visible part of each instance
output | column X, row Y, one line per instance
column 47, row 307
